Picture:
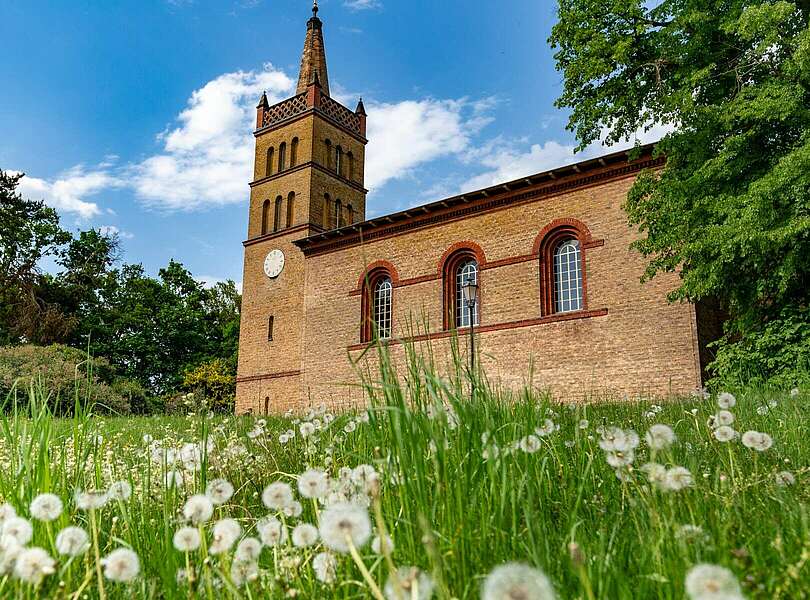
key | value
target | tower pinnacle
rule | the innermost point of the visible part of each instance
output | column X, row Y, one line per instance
column 313, row 58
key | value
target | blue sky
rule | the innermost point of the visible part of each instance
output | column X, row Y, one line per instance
column 135, row 116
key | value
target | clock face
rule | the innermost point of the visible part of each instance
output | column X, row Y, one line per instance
column 274, row 264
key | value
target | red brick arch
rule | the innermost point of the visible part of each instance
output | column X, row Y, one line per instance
column 447, row 266
column 378, row 265
column 574, row 226
column 468, row 245
column 545, row 243
column 373, row 272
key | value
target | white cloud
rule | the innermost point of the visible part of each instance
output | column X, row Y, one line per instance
column 405, row 134
column 207, row 159
column 68, row 192
column 362, row 4
column 112, row 230
column 209, row 281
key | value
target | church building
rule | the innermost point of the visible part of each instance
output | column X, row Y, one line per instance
column 559, row 293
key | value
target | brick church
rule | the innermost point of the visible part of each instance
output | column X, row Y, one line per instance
column 559, row 296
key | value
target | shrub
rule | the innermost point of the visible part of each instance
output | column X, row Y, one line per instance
column 213, row 381
column 67, row 374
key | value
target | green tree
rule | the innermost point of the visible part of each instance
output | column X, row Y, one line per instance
column 730, row 211
column 29, row 233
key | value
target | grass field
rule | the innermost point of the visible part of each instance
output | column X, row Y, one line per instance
column 460, row 486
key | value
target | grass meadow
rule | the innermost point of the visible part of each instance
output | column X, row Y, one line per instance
column 428, row 494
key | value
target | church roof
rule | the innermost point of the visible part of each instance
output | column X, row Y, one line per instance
column 546, row 183
column 313, row 57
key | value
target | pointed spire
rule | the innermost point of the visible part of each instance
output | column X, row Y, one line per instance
column 361, row 109
column 263, row 103
column 313, row 58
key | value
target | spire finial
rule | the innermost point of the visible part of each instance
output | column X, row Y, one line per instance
column 314, row 8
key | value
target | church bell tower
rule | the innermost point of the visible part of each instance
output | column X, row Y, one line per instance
column 308, row 178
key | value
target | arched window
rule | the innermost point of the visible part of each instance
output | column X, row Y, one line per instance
column 561, row 250
column 567, row 276
column 350, row 158
column 294, row 152
column 466, row 272
column 377, row 300
column 339, row 160
column 382, row 304
column 282, row 156
column 349, row 215
column 290, row 208
column 459, row 267
column 338, row 213
column 268, row 168
column 327, row 207
column 328, row 154
column 266, row 217
column 277, row 215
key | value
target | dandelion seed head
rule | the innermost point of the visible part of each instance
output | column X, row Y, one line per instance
column 6, row 512
column 304, row 535
column 248, row 550
column 91, row 499
column 378, row 543
column 72, row 541
column 120, row 490
column 313, row 483
column 757, row 441
column 325, row 566
column 243, row 572
column 18, row 528
column 341, row 523
column 121, row 565
column 724, row 433
column 33, row 564
column 723, row 417
column 271, row 531
column 46, row 507
column 712, row 582
column 277, row 495
column 186, row 539
column 415, row 584
column 547, row 428
column 660, row 437
column 225, row 533
column 198, row 509
column 306, row 429
column 219, row 491
column 784, row 478
column 514, row 581
column 173, row 479
column 677, row 479
column 530, row 444
column 726, row 400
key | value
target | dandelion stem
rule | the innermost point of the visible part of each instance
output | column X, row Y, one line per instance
column 375, row 590
column 100, row 579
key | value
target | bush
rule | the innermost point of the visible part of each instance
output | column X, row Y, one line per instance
column 215, row 383
column 67, row 374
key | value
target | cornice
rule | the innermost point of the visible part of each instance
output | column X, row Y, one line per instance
column 313, row 110
column 309, row 165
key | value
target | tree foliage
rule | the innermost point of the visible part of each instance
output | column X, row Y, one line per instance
column 730, row 211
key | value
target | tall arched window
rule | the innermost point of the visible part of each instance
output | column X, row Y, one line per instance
column 266, row 217
column 382, row 305
column 328, row 154
column 339, row 161
column 466, row 272
column 327, row 208
column 338, row 213
column 268, row 168
column 349, row 215
column 282, row 156
column 290, row 208
column 294, row 152
column 567, row 276
column 462, row 262
column 350, row 158
column 277, row 215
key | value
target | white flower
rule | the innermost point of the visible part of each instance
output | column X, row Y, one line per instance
column 186, row 539
column 304, row 535
column 198, row 509
column 225, row 532
column 293, row 509
column 620, row 459
column 33, row 564
column 174, row 479
column 344, row 523
column 219, row 491
column 514, row 580
column 277, row 495
column 547, row 428
column 46, row 507
column 248, row 550
column 6, row 512
column 414, row 585
column 147, row 439
column 677, row 478
column 365, row 476
column 794, row 392
column 690, row 533
column 72, row 541
column 18, row 528
column 271, row 531
column 711, row 582
column 313, row 483
column 350, row 427
column 655, row 472
column 306, row 429
column 763, row 410
column 726, row 400
column 659, row 437
column 325, row 567
column 243, row 572
column 9, row 551
column 121, row 565
column 583, row 423
column 784, row 478
column 757, row 441
column 120, row 490
column 377, row 544
column 530, row 444
column 723, row 417
column 724, row 433
column 615, row 439
column 91, row 499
